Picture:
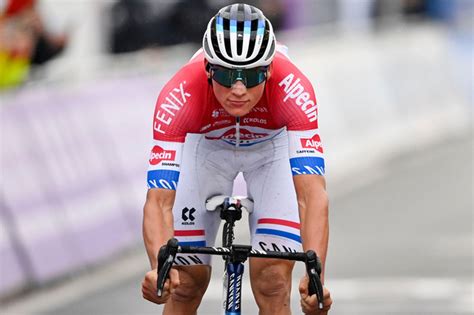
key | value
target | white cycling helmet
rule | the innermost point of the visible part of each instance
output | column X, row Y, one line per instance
column 239, row 36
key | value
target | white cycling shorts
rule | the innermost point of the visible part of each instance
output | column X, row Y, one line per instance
column 209, row 168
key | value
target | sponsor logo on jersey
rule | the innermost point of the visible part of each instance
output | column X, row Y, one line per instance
column 172, row 164
column 188, row 216
column 244, row 134
column 222, row 122
column 206, row 127
column 260, row 109
column 219, row 112
column 294, row 90
column 159, row 154
column 307, row 165
column 276, row 247
column 254, row 120
column 169, row 106
column 312, row 143
column 167, row 179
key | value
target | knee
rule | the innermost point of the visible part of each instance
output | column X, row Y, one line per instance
column 193, row 284
column 187, row 292
column 272, row 281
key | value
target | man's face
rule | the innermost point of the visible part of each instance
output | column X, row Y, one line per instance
column 238, row 100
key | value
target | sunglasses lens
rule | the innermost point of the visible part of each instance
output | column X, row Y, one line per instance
column 222, row 76
column 250, row 77
column 255, row 76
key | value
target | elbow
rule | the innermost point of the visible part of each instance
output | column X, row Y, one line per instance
column 159, row 201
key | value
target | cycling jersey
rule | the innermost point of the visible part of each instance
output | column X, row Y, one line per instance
column 187, row 105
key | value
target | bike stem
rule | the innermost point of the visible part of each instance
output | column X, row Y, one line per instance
column 230, row 212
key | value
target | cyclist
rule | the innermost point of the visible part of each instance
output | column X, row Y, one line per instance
column 252, row 111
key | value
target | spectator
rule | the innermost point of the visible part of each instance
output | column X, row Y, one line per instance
column 24, row 41
column 132, row 26
column 191, row 17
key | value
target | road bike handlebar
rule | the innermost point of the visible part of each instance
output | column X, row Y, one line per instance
column 168, row 253
column 166, row 257
column 313, row 269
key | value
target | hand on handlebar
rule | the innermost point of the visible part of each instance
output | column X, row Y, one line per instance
column 309, row 303
column 160, row 283
column 149, row 285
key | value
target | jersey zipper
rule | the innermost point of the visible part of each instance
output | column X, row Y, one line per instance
column 237, row 131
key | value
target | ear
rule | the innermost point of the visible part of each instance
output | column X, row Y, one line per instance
column 207, row 67
column 269, row 71
column 208, row 72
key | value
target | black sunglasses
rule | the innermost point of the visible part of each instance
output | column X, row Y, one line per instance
column 249, row 77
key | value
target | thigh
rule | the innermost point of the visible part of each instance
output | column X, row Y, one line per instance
column 274, row 223
column 193, row 224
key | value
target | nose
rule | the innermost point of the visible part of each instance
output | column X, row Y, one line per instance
column 239, row 88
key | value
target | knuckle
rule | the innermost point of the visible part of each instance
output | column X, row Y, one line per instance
column 149, row 275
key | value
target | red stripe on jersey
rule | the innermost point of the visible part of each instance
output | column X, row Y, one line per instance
column 280, row 222
column 188, row 232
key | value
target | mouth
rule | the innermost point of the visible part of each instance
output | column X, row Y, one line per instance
column 234, row 103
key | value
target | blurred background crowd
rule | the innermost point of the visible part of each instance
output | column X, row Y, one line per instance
column 33, row 32
column 78, row 85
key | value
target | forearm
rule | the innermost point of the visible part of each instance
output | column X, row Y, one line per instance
column 313, row 210
column 315, row 227
column 157, row 226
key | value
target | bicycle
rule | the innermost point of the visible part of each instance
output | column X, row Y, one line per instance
column 235, row 255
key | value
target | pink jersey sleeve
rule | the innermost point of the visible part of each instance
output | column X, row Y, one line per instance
column 294, row 104
column 176, row 114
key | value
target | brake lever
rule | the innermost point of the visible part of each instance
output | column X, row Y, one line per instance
column 166, row 257
column 313, row 268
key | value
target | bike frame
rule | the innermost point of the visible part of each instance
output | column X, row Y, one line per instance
column 235, row 256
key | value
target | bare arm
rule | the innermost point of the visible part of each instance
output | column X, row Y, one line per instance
column 157, row 221
column 313, row 209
